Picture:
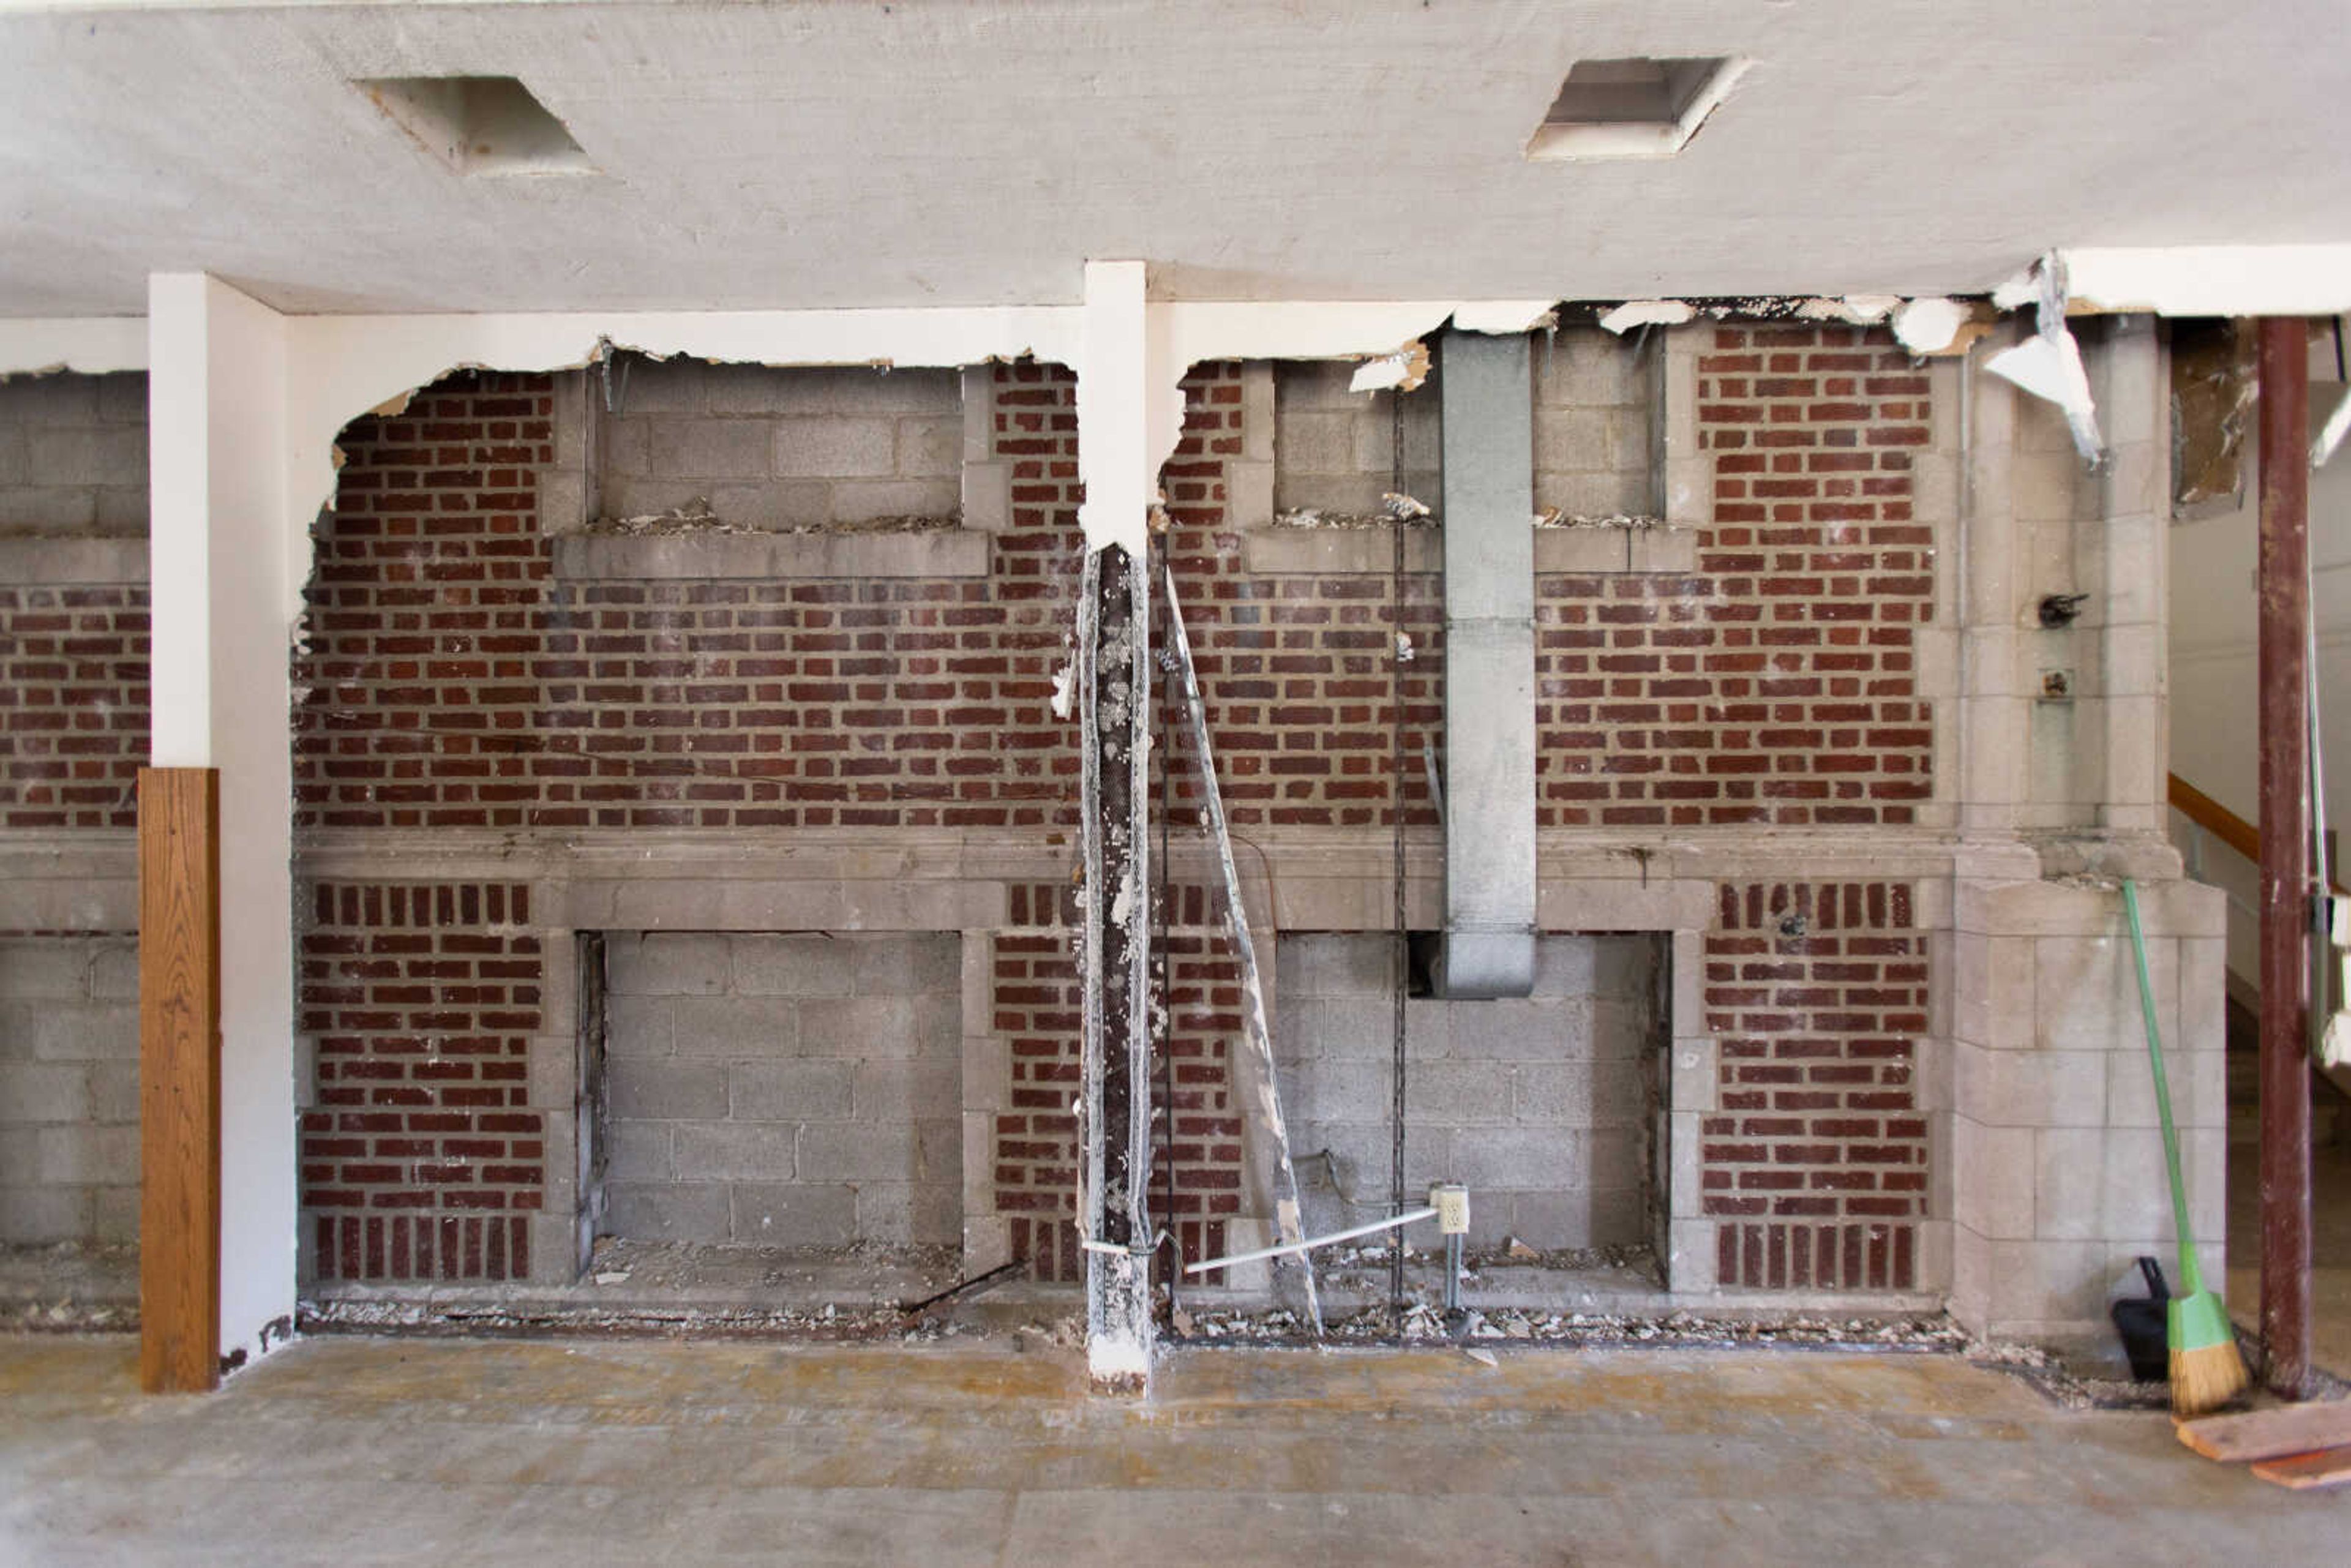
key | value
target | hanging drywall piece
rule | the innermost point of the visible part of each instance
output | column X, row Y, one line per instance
column 1648, row 313
column 2330, row 435
column 1930, row 325
column 1506, row 318
column 1289, row 1227
column 1404, row 371
column 2049, row 364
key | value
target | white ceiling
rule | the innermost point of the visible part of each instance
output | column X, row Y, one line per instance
column 839, row 153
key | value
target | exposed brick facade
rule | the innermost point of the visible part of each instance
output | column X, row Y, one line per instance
column 1778, row 683
column 73, row 704
column 421, row 1160
column 1816, row 1162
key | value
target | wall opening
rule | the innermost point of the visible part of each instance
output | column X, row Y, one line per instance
column 799, row 1095
column 1551, row 1108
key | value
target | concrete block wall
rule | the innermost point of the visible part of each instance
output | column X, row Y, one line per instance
column 1598, row 452
column 782, row 448
column 796, row 1090
column 73, row 455
column 68, row 1089
column 1541, row 1106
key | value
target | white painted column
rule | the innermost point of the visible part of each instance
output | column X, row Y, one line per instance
column 219, row 641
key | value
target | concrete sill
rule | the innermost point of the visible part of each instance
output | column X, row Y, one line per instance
column 936, row 553
column 30, row 561
column 1274, row 551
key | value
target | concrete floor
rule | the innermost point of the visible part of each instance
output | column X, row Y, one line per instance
column 359, row 1451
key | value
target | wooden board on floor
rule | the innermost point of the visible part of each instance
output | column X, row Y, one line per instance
column 179, row 1080
column 2326, row 1467
column 2271, row 1434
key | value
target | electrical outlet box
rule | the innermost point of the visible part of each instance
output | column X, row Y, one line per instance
column 1451, row 1201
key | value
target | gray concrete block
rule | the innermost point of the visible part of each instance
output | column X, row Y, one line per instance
column 122, row 397
column 20, row 1155
column 49, row 968
column 35, row 1216
column 903, row 1214
column 906, row 1091
column 743, row 1028
column 780, row 1214
column 668, row 386
column 667, row 1211
column 790, row 1091
column 1522, row 1157
column 1329, row 1089
column 665, row 964
column 1580, row 1094
column 114, row 971
column 930, row 446
column 836, row 447
column 909, row 965
column 668, row 1091
column 637, row 1027
column 87, row 1155
column 628, row 449
column 734, row 1151
column 114, row 1215
column 858, row 1152
column 639, row 1151
column 1458, row 1094
column 1549, row 1030
column 88, row 456
column 864, row 1026
column 48, row 508
column 712, row 449
column 67, row 397
column 33, row 1092
column 809, row 964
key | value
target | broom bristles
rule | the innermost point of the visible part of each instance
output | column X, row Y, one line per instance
column 2206, row 1377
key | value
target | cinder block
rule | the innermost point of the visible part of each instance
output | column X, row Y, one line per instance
column 923, row 1215
column 1462, row 1093
column 114, row 1216
column 679, row 385
column 43, row 1092
column 930, row 446
column 640, row 1152
column 810, row 965
column 87, row 1155
column 1553, row 1029
column 1335, row 1088
column 1524, row 1157
column 36, row 1216
column 65, row 398
column 834, row 447
column 665, row 964
column 637, row 1027
column 667, row 1211
column 114, row 971
column 668, row 1091
column 903, row 1090
column 88, row 456
column 790, row 1091
column 734, row 1151
column 863, row 1027
column 711, row 448
column 114, row 1093
column 896, row 966
column 860, row 1151
column 775, row 1214
column 52, row 509
column 742, row 1027
column 45, row 967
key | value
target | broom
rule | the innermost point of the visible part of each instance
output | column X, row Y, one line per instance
column 2206, row 1370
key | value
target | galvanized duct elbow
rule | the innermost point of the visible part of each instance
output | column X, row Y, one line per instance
column 1486, row 405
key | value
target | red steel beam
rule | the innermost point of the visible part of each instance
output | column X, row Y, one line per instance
column 2285, row 853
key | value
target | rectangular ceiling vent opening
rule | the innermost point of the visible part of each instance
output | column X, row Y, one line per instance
column 1632, row 107
column 479, row 125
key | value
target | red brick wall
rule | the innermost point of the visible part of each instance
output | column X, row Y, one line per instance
column 73, row 704
column 1816, row 1160
column 1778, row 683
column 1037, row 1002
column 421, row 1159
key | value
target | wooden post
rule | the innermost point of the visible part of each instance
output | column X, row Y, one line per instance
column 179, row 1080
column 2287, row 890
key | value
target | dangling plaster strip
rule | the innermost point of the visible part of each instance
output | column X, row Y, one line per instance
column 1114, row 414
column 90, row 345
column 2049, row 364
column 1288, row 1225
column 1648, row 313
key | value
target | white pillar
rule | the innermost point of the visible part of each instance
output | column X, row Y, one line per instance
column 219, row 645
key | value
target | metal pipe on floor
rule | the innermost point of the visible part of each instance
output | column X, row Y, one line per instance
column 2284, row 607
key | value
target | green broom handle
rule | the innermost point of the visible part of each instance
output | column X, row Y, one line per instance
column 2191, row 1279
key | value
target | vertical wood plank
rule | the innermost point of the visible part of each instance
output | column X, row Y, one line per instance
column 179, row 1080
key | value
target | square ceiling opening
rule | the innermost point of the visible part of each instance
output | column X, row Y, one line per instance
column 479, row 125
column 1632, row 107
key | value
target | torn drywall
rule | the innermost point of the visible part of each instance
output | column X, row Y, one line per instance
column 1929, row 326
column 2210, row 279
column 2331, row 435
column 2049, row 364
column 88, row 345
column 1401, row 371
column 1648, row 313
